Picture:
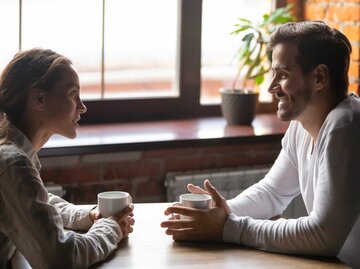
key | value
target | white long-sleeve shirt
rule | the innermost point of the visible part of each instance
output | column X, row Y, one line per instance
column 32, row 221
column 327, row 175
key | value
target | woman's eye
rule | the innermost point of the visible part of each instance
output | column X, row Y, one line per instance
column 73, row 93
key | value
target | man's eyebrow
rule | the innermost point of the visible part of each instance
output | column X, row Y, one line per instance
column 280, row 67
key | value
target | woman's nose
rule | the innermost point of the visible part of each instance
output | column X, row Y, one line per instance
column 82, row 108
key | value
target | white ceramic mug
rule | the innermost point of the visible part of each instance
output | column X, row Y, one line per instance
column 112, row 202
column 199, row 201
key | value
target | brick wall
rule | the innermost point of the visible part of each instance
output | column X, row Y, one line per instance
column 142, row 173
column 345, row 16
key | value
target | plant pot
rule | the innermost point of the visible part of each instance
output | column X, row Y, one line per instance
column 238, row 106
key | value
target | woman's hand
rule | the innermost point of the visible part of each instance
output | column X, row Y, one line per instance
column 94, row 215
column 125, row 219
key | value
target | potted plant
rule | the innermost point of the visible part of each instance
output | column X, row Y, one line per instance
column 239, row 102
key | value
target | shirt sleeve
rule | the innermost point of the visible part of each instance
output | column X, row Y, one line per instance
column 271, row 195
column 74, row 217
column 35, row 227
column 335, row 210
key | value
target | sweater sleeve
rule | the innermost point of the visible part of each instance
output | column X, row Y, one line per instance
column 74, row 217
column 35, row 227
column 336, row 207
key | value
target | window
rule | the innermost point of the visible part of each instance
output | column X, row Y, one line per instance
column 218, row 49
column 138, row 59
column 9, row 43
column 140, row 49
column 63, row 26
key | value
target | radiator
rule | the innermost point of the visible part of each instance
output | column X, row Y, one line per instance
column 229, row 182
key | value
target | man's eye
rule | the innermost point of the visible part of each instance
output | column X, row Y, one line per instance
column 282, row 75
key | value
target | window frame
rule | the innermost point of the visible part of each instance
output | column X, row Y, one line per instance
column 187, row 81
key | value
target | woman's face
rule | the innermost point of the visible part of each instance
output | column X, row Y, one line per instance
column 62, row 105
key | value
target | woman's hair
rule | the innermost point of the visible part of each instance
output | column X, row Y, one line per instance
column 35, row 68
column 317, row 44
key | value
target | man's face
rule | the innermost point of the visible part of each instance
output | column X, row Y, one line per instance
column 288, row 84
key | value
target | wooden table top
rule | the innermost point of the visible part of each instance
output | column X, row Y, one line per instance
column 149, row 247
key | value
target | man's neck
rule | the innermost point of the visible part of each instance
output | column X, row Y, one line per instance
column 314, row 116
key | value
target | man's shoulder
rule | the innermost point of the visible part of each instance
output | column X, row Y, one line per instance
column 345, row 115
column 347, row 112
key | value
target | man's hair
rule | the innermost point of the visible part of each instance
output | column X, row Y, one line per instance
column 317, row 44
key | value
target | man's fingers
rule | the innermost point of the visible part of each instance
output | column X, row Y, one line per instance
column 177, row 224
column 216, row 196
column 187, row 211
column 196, row 189
column 186, row 234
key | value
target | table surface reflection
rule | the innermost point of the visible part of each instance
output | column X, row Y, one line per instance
column 149, row 247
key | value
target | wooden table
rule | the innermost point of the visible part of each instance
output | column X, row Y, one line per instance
column 149, row 247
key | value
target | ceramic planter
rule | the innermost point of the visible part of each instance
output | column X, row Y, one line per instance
column 238, row 106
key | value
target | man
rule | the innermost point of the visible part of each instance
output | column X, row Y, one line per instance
column 319, row 158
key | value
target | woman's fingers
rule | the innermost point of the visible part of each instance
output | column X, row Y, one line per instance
column 125, row 213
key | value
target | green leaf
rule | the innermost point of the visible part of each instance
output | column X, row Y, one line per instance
column 241, row 29
column 253, row 59
column 247, row 38
column 269, row 56
column 259, row 79
column 244, row 20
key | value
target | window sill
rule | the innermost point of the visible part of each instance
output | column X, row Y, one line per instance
column 116, row 137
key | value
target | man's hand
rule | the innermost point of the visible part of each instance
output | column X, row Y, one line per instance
column 203, row 225
column 196, row 189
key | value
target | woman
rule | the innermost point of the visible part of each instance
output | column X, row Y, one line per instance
column 39, row 97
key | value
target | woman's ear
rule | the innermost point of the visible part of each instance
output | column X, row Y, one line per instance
column 321, row 77
column 37, row 98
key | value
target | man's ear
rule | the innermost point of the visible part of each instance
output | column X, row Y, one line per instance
column 321, row 77
column 37, row 98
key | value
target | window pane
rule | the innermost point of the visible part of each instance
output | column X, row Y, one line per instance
column 219, row 47
column 140, row 48
column 9, row 31
column 72, row 28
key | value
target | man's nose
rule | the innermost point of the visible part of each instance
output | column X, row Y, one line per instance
column 272, row 86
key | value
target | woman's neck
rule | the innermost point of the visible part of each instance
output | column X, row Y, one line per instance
column 34, row 132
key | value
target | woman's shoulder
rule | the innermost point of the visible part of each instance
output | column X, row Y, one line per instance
column 11, row 153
